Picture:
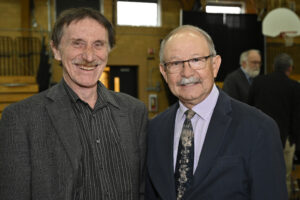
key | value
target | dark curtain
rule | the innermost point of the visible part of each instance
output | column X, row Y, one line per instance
column 66, row 4
column 232, row 34
column 43, row 74
column 143, row 1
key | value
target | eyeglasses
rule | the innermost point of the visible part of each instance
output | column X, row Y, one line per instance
column 194, row 63
column 255, row 62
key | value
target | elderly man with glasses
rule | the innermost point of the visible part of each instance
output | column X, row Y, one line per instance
column 208, row 145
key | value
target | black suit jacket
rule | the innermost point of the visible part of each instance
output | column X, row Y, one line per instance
column 40, row 150
column 242, row 156
column 278, row 96
column 236, row 85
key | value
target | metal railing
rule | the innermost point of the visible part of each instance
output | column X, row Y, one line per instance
column 19, row 56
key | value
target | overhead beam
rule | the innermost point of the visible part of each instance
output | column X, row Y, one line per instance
column 187, row 5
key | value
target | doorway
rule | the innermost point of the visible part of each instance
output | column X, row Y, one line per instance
column 123, row 79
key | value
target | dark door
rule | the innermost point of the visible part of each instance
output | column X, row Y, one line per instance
column 127, row 76
column 62, row 5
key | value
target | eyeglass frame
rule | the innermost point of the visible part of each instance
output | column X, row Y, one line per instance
column 253, row 62
column 204, row 58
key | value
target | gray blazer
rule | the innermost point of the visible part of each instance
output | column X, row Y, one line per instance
column 40, row 148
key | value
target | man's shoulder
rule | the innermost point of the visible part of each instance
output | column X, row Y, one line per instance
column 249, row 116
column 32, row 101
column 235, row 76
column 169, row 112
column 124, row 99
column 237, row 72
column 27, row 107
column 275, row 79
column 295, row 83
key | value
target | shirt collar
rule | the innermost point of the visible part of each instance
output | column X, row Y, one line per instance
column 102, row 100
column 73, row 96
column 205, row 107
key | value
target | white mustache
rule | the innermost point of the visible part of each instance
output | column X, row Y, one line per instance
column 191, row 80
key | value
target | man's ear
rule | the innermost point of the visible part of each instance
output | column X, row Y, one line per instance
column 55, row 51
column 289, row 70
column 216, row 63
column 244, row 64
column 163, row 72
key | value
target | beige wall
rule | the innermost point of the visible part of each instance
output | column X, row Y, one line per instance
column 132, row 43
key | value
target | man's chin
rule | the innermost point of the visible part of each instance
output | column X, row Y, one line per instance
column 253, row 74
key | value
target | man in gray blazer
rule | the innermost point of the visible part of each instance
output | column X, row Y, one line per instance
column 237, row 83
column 76, row 140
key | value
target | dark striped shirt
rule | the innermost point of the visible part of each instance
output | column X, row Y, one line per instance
column 104, row 169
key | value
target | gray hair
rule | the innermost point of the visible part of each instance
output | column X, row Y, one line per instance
column 282, row 62
column 208, row 39
column 245, row 54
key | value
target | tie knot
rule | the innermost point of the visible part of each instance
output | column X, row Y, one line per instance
column 189, row 114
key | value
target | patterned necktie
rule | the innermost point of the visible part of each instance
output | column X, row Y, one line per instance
column 185, row 157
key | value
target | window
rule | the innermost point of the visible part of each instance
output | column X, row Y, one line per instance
column 225, row 7
column 138, row 13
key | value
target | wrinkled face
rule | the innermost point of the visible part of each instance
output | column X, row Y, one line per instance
column 83, row 51
column 189, row 85
column 252, row 65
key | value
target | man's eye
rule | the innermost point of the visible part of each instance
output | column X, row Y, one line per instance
column 77, row 43
column 195, row 60
column 99, row 44
column 176, row 63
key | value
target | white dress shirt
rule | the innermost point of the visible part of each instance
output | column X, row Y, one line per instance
column 200, row 122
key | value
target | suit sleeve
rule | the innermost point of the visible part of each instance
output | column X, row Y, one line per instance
column 295, row 132
column 267, row 168
column 14, row 158
column 150, row 192
column 142, row 146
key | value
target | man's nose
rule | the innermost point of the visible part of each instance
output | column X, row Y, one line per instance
column 88, row 54
column 187, row 71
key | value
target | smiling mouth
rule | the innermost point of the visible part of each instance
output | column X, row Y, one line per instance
column 87, row 67
column 187, row 84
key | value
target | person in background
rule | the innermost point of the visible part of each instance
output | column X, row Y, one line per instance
column 76, row 140
column 237, row 83
column 278, row 96
column 209, row 145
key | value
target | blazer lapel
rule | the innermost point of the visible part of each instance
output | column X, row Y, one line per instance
column 64, row 120
column 217, row 129
column 121, row 119
column 160, row 166
column 244, row 81
column 120, row 116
